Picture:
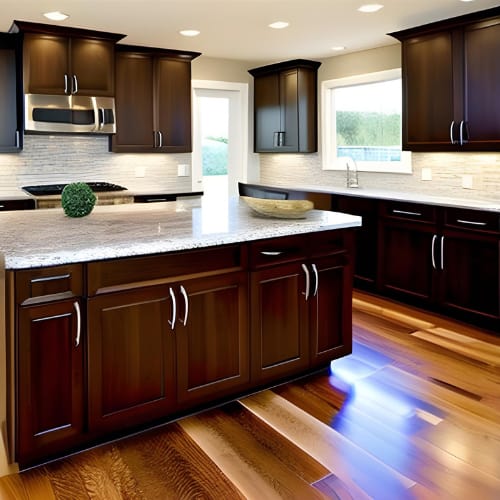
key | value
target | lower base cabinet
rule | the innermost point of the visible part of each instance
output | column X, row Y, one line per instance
column 131, row 358
column 51, row 379
column 112, row 346
column 301, row 303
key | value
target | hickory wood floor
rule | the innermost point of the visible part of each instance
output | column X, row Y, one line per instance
column 414, row 412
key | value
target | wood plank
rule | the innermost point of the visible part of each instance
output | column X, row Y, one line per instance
column 351, row 464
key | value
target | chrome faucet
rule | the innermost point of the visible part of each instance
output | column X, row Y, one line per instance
column 351, row 173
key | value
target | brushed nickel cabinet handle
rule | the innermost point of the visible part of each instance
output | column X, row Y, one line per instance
column 471, row 223
column 76, row 306
column 75, row 85
column 66, row 90
column 452, row 140
column 442, row 253
column 271, row 254
column 308, row 281
column 186, row 305
column 160, row 137
column 406, row 212
column 18, row 139
column 462, row 140
column 433, row 255
column 316, row 279
column 174, row 309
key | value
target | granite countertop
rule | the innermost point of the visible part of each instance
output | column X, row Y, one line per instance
column 383, row 194
column 47, row 237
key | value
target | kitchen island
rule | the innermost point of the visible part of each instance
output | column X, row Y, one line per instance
column 138, row 314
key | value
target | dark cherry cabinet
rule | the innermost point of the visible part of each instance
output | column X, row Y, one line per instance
column 285, row 107
column 408, row 250
column 279, row 322
column 450, row 75
column 67, row 60
column 50, row 350
column 180, row 341
column 212, row 337
column 300, row 303
column 11, row 124
column 153, row 100
column 106, row 347
column 366, row 248
column 470, row 268
column 131, row 358
column 443, row 258
column 330, row 317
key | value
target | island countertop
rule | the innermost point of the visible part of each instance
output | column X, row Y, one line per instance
column 40, row 238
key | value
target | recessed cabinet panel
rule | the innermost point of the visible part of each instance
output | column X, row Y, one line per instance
column 482, row 48
column 428, row 84
column 131, row 358
column 212, row 337
column 10, row 96
column 50, row 396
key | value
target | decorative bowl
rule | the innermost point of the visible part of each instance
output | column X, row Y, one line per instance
column 281, row 209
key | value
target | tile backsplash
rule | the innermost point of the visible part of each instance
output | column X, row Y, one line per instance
column 448, row 171
column 51, row 159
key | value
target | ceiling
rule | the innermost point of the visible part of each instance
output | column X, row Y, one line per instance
column 238, row 29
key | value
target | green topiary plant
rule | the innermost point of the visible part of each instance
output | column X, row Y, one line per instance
column 77, row 199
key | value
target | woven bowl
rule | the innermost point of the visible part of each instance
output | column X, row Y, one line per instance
column 281, row 209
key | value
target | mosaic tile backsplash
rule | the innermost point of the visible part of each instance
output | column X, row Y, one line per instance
column 52, row 159
column 448, row 170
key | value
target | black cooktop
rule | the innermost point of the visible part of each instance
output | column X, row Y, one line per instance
column 54, row 189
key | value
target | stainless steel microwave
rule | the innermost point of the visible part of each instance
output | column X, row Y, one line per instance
column 69, row 114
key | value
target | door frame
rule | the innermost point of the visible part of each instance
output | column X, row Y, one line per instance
column 238, row 131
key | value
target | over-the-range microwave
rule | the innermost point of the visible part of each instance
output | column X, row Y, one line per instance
column 69, row 114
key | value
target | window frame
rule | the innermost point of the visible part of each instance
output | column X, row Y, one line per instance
column 329, row 159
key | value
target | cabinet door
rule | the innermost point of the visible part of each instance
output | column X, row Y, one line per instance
column 45, row 62
column 50, row 404
column 471, row 274
column 92, row 63
column 330, row 309
column 10, row 118
column 288, row 82
column 279, row 322
column 482, row 62
column 212, row 337
column 365, row 272
column 267, row 112
column 173, row 105
column 131, row 358
column 405, row 260
column 428, row 92
column 134, row 103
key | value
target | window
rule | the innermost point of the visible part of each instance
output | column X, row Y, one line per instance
column 362, row 121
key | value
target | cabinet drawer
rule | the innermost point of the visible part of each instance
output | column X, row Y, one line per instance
column 326, row 243
column 274, row 251
column 409, row 211
column 138, row 271
column 26, row 204
column 48, row 283
column 473, row 220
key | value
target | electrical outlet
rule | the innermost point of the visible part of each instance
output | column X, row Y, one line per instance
column 427, row 174
column 467, row 181
column 182, row 170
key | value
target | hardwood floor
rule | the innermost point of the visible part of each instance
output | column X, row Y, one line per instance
column 414, row 412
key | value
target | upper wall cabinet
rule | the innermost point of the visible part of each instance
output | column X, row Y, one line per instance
column 10, row 96
column 285, row 107
column 153, row 100
column 451, row 75
column 67, row 60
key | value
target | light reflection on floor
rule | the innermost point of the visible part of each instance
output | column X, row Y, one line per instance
column 376, row 415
